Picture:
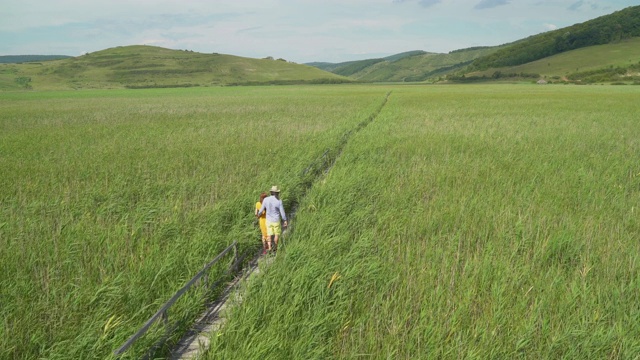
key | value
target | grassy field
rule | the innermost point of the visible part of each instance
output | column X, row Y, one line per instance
column 475, row 222
column 111, row 200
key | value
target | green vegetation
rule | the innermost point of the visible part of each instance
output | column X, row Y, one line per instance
column 615, row 75
column 423, row 67
column 606, row 29
column 602, row 63
column 403, row 55
column 600, row 50
column 140, row 67
column 153, row 67
column 411, row 66
column 503, row 228
column 353, row 67
column 341, row 67
column 520, row 60
column 8, row 59
column 111, row 200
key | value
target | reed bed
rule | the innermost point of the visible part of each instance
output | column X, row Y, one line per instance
column 467, row 222
column 111, row 200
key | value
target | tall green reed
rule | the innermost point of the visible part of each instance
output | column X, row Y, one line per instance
column 472, row 221
column 112, row 200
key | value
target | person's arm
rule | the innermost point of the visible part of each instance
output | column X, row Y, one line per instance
column 283, row 214
column 259, row 212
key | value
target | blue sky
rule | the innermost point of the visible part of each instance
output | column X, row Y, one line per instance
column 296, row 30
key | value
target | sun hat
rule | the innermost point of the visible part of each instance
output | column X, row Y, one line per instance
column 274, row 189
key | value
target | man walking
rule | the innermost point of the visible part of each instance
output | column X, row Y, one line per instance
column 275, row 211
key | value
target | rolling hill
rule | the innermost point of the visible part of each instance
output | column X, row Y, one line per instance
column 409, row 66
column 142, row 66
column 420, row 67
column 612, row 56
column 350, row 67
column 602, row 50
column 13, row 59
column 605, row 49
column 617, row 62
column 612, row 28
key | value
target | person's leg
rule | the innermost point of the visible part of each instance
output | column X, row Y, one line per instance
column 276, row 234
column 265, row 237
column 269, row 235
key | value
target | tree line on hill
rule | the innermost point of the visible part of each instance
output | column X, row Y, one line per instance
column 620, row 25
column 14, row 59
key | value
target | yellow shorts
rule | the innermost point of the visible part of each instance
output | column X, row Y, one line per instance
column 273, row 229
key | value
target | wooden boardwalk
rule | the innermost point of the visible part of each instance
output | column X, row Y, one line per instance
column 196, row 341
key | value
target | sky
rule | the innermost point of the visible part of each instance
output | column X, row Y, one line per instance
column 300, row 31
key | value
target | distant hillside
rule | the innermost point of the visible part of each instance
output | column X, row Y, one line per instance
column 510, row 60
column 13, row 59
column 409, row 66
column 420, row 67
column 142, row 66
column 349, row 68
column 617, row 62
column 353, row 67
column 605, row 49
column 405, row 54
column 620, row 25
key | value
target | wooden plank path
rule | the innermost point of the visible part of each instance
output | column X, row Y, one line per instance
column 196, row 342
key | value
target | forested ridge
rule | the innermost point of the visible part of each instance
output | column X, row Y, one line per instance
column 606, row 29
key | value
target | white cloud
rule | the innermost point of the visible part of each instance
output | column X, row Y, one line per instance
column 429, row 3
column 488, row 4
column 297, row 30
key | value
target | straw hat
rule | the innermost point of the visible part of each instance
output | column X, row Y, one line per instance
column 274, row 189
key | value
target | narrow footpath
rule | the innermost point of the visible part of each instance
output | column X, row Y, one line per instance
column 196, row 341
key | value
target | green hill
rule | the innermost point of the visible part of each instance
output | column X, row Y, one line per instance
column 620, row 25
column 13, row 59
column 408, row 66
column 601, row 63
column 142, row 66
column 348, row 68
column 420, row 67
column 610, row 55
column 602, row 50
column 608, row 43
column 403, row 55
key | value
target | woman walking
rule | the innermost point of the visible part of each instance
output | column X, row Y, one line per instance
column 262, row 219
column 274, row 209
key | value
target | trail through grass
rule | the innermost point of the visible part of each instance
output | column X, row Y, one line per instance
column 111, row 200
column 465, row 222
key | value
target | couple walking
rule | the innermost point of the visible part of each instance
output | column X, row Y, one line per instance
column 270, row 210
